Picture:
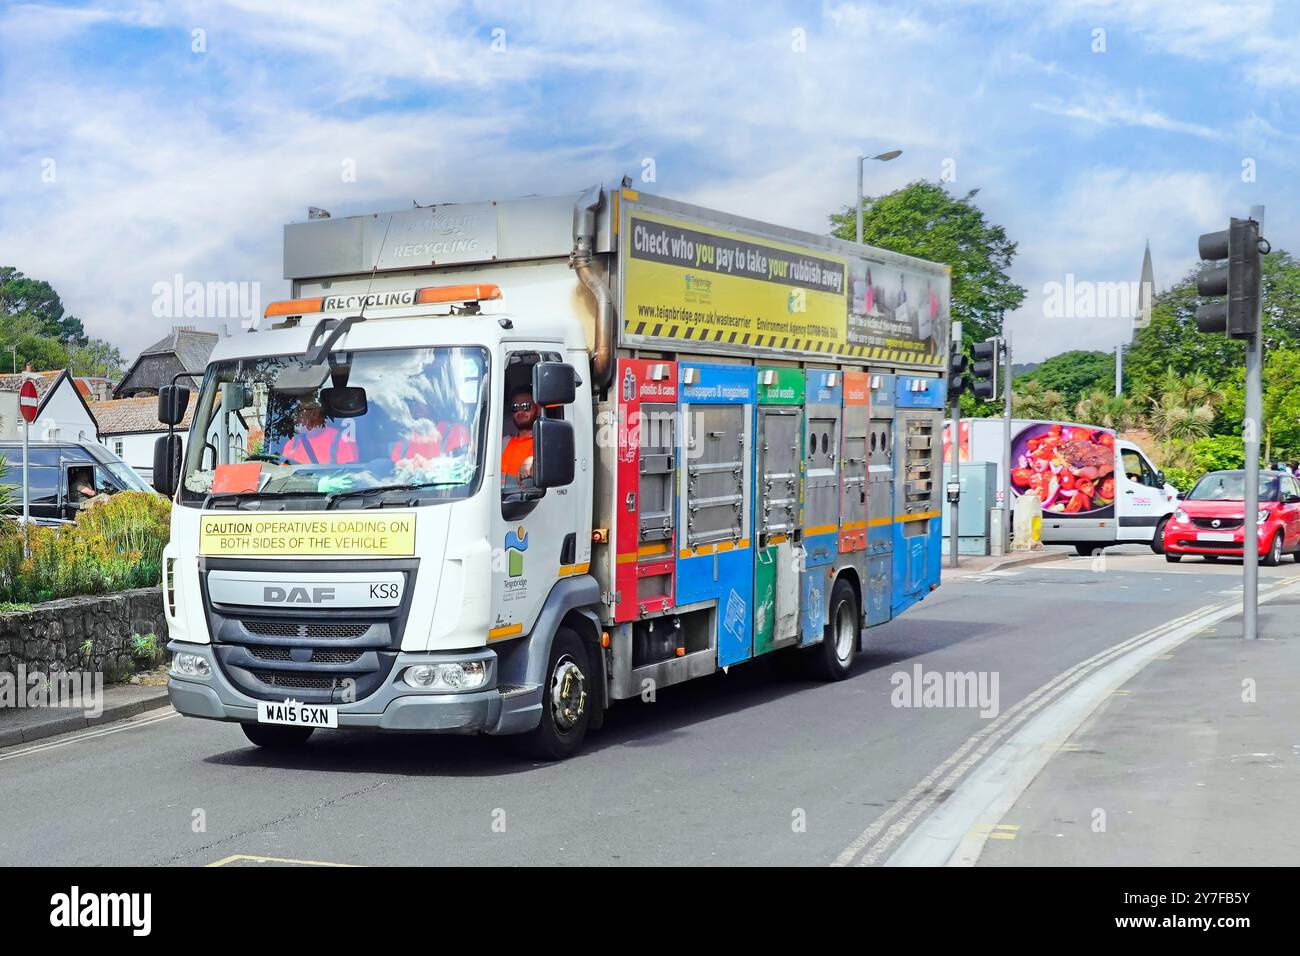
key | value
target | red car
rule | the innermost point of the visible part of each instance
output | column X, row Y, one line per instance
column 1209, row 521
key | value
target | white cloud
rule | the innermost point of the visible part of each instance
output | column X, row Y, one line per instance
column 1095, row 231
column 175, row 163
column 1114, row 110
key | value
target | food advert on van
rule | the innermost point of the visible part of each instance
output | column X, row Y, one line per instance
column 1070, row 467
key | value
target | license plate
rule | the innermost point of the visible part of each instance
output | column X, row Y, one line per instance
column 294, row 714
column 1214, row 536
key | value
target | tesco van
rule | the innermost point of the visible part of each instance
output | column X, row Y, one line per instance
column 1097, row 489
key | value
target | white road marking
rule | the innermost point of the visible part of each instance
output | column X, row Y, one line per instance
column 924, row 794
column 951, row 835
column 129, row 723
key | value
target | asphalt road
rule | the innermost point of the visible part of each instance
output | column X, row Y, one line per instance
column 751, row 767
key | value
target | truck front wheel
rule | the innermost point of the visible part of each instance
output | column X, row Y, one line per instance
column 833, row 657
column 275, row 736
column 566, row 701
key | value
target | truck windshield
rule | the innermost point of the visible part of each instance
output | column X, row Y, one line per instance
column 1231, row 486
column 406, row 421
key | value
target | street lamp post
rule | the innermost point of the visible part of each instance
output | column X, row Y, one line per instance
column 882, row 157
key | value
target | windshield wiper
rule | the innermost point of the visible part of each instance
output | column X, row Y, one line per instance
column 334, row 497
column 238, row 498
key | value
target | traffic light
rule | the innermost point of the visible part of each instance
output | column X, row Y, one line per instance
column 984, row 370
column 1238, row 278
column 956, row 368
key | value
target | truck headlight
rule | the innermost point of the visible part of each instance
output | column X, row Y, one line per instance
column 459, row 675
column 190, row 666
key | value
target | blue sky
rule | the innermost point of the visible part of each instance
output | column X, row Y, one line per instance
column 126, row 157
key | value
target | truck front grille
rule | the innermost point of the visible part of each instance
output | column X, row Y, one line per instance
column 314, row 629
column 318, row 656
column 298, row 679
column 315, row 655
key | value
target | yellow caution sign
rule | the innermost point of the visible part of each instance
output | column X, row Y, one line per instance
column 389, row 535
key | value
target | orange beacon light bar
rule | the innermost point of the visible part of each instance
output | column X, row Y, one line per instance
column 403, row 297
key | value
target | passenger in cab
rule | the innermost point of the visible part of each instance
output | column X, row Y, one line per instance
column 433, row 434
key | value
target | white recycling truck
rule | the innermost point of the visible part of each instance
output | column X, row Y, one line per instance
column 495, row 466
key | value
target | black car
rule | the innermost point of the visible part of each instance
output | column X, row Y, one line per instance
column 63, row 475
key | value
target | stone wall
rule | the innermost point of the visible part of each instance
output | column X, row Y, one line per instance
column 85, row 634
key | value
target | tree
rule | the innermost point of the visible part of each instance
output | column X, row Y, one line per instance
column 23, row 333
column 1172, row 341
column 1073, row 374
column 23, row 296
column 1281, row 380
column 1036, row 402
column 96, row 358
column 923, row 220
column 1105, row 410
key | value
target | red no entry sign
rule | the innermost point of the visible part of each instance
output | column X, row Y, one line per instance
column 27, row 402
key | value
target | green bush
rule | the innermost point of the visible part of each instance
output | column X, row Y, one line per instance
column 1218, row 453
column 114, row 546
column 1182, row 478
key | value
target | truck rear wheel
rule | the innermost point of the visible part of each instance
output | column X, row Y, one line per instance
column 566, row 702
column 832, row 659
column 275, row 736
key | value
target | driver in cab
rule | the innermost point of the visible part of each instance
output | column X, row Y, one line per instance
column 517, row 456
column 316, row 442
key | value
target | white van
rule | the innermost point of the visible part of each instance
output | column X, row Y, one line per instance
column 1097, row 488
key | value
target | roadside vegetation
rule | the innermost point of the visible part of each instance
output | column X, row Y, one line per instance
column 114, row 546
column 1184, row 391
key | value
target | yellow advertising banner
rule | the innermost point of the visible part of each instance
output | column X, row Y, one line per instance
column 312, row 534
column 688, row 283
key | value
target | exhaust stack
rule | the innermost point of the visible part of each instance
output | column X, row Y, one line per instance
column 584, row 241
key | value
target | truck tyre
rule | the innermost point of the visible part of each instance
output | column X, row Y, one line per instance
column 1084, row 550
column 1273, row 557
column 567, row 699
column 275, row 736
column 1158, row 539
column 832, row 659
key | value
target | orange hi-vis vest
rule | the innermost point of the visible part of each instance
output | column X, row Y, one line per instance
column 432, row 446
column 518, row 450
column 321, row 446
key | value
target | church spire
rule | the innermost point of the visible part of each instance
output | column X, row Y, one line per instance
column 1146, row 290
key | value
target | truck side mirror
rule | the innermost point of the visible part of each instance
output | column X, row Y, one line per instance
column 553, row 454
column 166, row 464
column 172, row 402
column 554, row 383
